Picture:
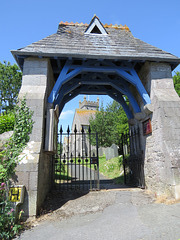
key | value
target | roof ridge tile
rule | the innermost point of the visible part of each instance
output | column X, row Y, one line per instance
column 116, row 26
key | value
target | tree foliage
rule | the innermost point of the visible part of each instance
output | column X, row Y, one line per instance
column 176, row 80
column 10, row 83
column 109, row 123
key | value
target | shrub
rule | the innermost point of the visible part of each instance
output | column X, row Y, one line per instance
column 7, row 122
column 8, row 227
column 8, row 161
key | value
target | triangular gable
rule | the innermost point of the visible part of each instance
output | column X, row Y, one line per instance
column 96, row 27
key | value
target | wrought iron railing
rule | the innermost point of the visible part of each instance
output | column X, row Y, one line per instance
column 133, row 163
column 76, row 162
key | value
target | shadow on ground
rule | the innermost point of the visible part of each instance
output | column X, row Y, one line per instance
column 57, row 198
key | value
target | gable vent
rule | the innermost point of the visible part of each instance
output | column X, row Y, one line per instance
column 96, row 30
column 96, row 27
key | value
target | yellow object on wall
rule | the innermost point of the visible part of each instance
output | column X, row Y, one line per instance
column 15, row 194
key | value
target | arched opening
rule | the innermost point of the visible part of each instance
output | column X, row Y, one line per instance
column 77, row 60
column 76, row 164
column 114, row 78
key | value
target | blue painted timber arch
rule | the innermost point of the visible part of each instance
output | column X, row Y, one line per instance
column 98, row 77
column 83, row 90
column 122, row 88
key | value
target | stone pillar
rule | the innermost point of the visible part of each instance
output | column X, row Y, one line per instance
column 34, row 169
column 162, row 147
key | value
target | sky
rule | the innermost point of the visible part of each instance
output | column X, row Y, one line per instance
column 23, row 22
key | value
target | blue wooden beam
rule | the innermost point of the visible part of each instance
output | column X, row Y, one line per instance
column 61, row 77
column 65, row 90
column 128, row 73
column 134, row 79
column 126, row 91
column 118, row 97
column 64, row 76
column 141, row 89
column 69, row 71
column 131, row 98
column 76, row 83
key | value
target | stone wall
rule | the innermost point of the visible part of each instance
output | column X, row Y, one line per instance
column 161, row 148
column 34, row 169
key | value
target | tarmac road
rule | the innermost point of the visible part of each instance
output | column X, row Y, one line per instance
column 127, row 214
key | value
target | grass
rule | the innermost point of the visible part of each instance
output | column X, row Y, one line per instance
column 113, row 168
column 63, row 176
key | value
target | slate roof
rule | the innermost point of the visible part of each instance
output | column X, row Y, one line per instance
column 71, row 41
column 82, row 116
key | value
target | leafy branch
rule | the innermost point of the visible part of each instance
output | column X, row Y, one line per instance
column 8, row 161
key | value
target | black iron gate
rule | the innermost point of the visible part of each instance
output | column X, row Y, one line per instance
column 76, row 164
column 133, row 163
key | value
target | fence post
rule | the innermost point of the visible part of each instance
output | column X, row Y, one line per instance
column 97, row 154
column 124, row 165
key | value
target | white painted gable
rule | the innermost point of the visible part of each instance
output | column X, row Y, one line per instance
column 96, row 27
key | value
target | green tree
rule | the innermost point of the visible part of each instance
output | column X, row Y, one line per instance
column 101, row 124
column 176, row 80
column 10, row 83
column 109, row 123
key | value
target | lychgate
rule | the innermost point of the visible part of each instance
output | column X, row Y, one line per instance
column 99, row 59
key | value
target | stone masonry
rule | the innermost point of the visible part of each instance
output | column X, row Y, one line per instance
column 34, row 169
column 76, row 60
column 161, row 149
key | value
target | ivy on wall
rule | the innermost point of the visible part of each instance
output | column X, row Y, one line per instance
column 23, row 125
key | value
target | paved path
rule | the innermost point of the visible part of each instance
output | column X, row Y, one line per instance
column 129, row 214
column 82, row 176
column 85, row 173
